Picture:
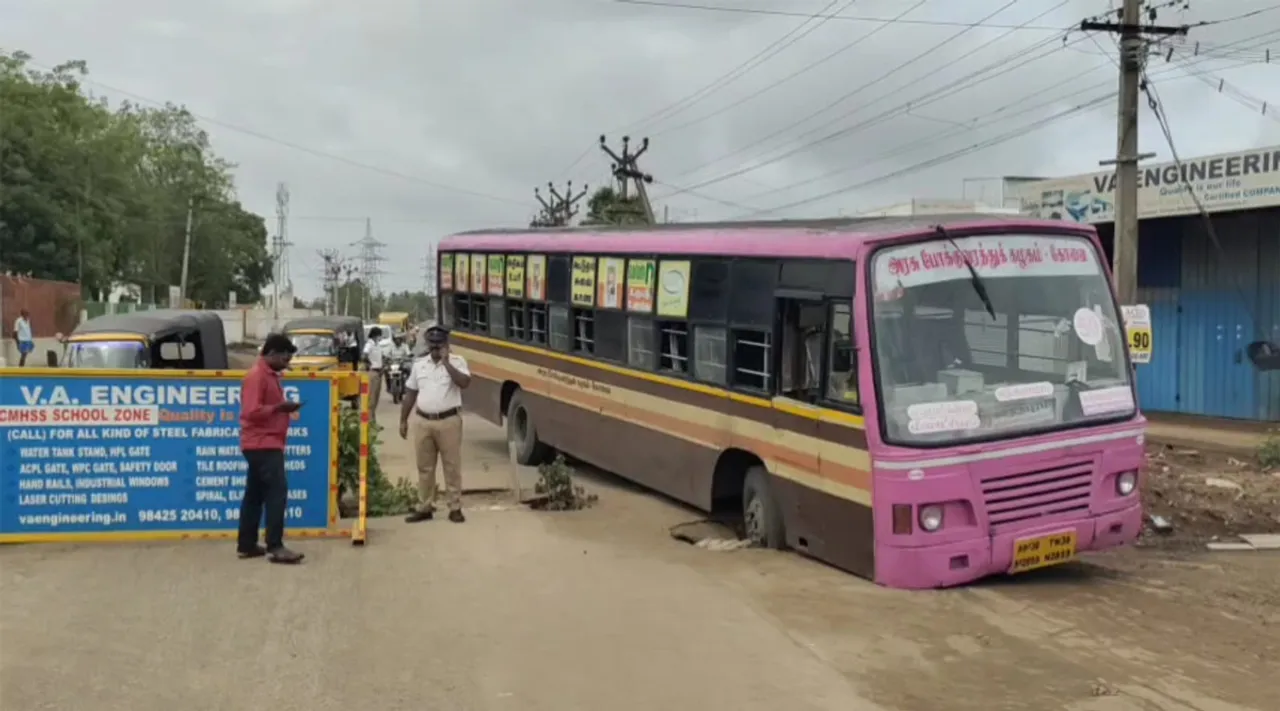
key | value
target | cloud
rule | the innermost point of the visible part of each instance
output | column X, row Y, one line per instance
column 495, row 97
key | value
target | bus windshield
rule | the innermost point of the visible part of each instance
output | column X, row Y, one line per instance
column 314, row 344
column 106, row 354
column 987, row 337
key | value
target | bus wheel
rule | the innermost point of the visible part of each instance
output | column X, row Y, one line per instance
column 521, row 431
column 761, row 516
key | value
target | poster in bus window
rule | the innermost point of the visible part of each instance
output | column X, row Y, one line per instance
column 536, row 276
column 583, row 292
column 609, row 280
column 673, row 289
column 497, row 285
column 515, row 276
column 462, row 272
column 640, row 276
column 479, row 273
column 446, row 272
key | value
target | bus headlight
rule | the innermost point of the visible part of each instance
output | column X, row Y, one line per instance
column 1126, row 482
column 931, row 518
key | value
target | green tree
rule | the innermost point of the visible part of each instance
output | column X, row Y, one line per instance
column 100, row 196
column 606, row 206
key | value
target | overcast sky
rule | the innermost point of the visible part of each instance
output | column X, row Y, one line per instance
column 375, row 108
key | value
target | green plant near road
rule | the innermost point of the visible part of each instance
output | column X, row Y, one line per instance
column 386, row 498
column 1269, row 452
column 557, row 489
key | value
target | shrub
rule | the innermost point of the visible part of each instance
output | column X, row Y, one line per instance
column 557, row 490
column 1269, row 452
column 385, row 498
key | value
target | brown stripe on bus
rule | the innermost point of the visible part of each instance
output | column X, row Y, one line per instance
column 763, row 413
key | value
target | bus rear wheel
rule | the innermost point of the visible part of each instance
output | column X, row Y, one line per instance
column 523, row 434
column 761, row 515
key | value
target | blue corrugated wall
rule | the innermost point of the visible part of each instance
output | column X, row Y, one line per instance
column 1207, row 305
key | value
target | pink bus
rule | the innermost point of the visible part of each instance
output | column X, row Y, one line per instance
column 919, row 401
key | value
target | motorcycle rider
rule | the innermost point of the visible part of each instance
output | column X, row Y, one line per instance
column 397, row 351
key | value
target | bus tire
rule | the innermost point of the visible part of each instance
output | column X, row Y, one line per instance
column 761, row 515
column 521, row 432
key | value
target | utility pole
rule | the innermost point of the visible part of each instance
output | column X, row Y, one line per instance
column 186, row 254
column 332, row 275
column 561, row 209
column 348, row 273
column 370, row 268
column 280, row 254
column 626, row 171
column 1133, row 51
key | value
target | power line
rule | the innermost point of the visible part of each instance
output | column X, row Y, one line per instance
column 967, row 125
column 844, row 48
column 770, row 51
column 297, row 146
column 855, row 91
column 846, row 18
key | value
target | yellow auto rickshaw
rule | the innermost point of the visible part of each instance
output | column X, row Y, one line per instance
column 328, row 343
column 397, row 320
column 183, row 340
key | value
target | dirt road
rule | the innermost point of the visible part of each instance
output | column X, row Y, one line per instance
column 601, row 609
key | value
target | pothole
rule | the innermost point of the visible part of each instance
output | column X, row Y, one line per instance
column 712, row 535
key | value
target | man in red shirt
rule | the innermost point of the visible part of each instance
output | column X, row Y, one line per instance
column 264, row 427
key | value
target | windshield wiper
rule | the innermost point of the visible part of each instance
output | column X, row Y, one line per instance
column 979, row 288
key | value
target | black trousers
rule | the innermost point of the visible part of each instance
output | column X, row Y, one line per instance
column 266, row 486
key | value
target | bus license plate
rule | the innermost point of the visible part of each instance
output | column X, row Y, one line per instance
column 1043, row 551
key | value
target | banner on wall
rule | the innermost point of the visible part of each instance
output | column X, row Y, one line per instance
column 673, row 289
column 515, row 276
column 640, row 277
column 584, row 281
column 610, row 278
column 150, row 456
column 497, row 274
column 536, row 278
column 446, row 272
column 479, row 273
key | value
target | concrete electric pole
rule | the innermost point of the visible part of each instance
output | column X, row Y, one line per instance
column 1133, row 51
column 186, row 255
column 560, row 210
column 626, row 171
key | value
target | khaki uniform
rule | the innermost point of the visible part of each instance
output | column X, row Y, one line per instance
column 436, row 428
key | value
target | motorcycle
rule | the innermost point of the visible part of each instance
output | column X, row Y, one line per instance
column 397, row 374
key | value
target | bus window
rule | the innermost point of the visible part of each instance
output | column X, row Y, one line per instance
column 804, row 325
column 842, row 374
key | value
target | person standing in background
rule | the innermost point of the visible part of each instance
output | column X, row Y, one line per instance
column 433, row 399
column 373, row 355
column 264, row 429
column 22, row 337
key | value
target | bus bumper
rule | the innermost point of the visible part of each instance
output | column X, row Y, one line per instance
column 948, row 564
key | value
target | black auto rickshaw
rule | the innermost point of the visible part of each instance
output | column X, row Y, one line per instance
column 183, row 340
column 328, row 343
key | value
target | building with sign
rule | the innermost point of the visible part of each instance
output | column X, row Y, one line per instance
column 1208, row 299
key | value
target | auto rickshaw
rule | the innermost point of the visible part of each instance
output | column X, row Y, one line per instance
column 182, row 340
column 397, row 320
column 328, row 343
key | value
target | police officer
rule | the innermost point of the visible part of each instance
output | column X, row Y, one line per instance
column 432, row 413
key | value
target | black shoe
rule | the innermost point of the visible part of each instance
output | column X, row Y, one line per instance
column 417, row 516
column 255, row 552
column 285, row 556
column 456, row 516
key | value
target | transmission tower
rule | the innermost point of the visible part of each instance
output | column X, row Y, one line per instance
column 370, row 259
column 280, row 251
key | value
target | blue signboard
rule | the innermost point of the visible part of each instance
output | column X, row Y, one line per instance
column 123, row 456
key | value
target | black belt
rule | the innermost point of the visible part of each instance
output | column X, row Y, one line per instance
column 442, row 415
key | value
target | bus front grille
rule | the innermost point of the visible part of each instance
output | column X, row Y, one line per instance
column 1042, row 493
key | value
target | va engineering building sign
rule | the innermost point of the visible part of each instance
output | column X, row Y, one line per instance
column 1246, row 180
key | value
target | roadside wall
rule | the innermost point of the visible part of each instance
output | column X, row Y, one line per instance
column 54, row 308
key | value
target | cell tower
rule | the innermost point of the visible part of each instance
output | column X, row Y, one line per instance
column 280, row 252
column 370, row 259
